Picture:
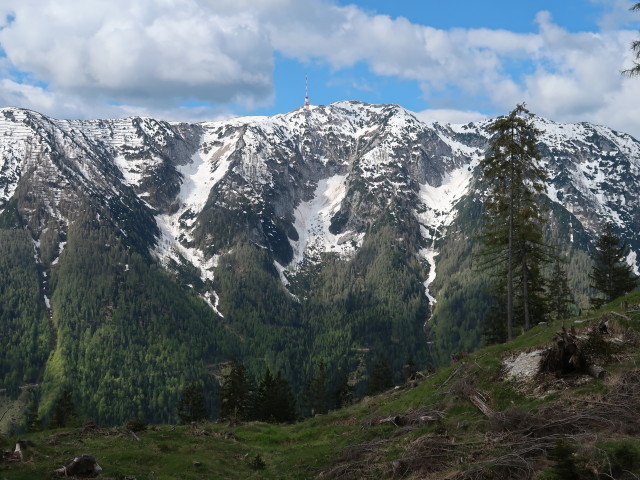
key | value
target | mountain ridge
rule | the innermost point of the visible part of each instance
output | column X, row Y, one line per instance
column 314, row 235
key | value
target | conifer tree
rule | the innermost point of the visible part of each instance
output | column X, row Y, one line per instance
column 380, row 378
column 192, row 405
column 560, row 296
column 32, row 420
column 634, row 71
column 316, row 392
column 512, row 234
column 235, row 392
column 345, row 391
column 64, row 411
column 612, row 276
column 273, row 400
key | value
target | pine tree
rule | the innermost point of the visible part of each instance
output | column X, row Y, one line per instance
column 316, row 392
column 512, row 233
column 380, row 378
column 273, row 400
column 560, row 296
column 635, row 48
column 191, row 407
column 235, row 392
column 611, row 275
column 345, row 391
column 32, row 420
column 64, row 411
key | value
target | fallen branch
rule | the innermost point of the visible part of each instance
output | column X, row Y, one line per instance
column 453, row 374
column 621, row 315
column 137, row 438
column 479, row 401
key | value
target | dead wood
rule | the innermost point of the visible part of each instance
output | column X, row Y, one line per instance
column 427, row 454
column 621, row 315
column 84, row 466
column 481, row 402
column 454, row 373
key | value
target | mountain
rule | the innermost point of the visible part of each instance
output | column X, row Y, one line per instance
column 139, row 255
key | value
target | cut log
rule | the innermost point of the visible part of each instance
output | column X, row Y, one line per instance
column 478, row 400
column 596, row 371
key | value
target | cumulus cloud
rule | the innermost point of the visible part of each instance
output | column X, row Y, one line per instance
column 444, row 115
column 144, row 52
column 157, row 56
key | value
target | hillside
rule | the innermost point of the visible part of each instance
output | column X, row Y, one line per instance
column 484, row 417
column 139, row 255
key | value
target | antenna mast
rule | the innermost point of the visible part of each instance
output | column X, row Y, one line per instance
column 306, row 86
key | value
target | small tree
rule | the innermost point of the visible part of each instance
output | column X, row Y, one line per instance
column 64, row 411
column 273, row 400
column 345, row 391
column 560, row 296
column 191, row 407
column 235, row 392
column 381, row 377
column 612, row 276
column 316, row 392
column 32, row 420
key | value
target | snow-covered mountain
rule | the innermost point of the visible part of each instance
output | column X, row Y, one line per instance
column 350, row 208
column 300, row 184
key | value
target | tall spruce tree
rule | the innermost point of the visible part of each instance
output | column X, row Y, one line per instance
column 191, row 407
column 514, row 218
column 612, row 276
column 235, row 392
column 381, row 377
column 316, row 394
column 273, row 400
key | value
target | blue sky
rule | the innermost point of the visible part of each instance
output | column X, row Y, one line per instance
column 196, row 60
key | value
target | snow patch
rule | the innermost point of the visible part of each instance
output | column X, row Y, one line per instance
column 633, row 262
column 213, row 300
column 429, row 254
column 313, row 218
column 61, row 246
column 202, row 174
column 441, row 200
column 281, row 271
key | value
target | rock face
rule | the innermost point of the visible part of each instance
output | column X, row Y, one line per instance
column 310, row 188
column 312, row 180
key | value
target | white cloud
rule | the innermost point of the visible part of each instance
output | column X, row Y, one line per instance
column 71, row 57
column 449, row 116
column 154, row 53
column 617, row 14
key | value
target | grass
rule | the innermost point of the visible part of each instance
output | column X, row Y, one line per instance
column 302, row 450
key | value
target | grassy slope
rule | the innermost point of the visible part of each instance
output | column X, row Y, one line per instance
column 351, row 443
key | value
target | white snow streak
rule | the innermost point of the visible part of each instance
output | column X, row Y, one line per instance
column 313, row 218
column 633, row 262
column 441, row 200
column 429, row 254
